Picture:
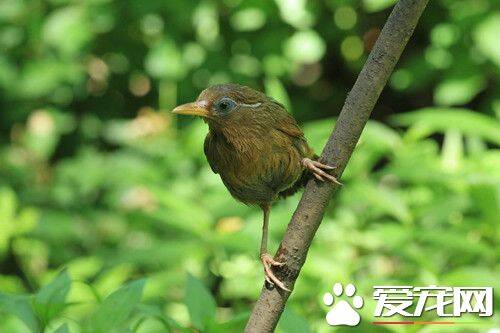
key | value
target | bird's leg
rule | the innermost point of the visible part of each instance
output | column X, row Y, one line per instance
column 318, row 170
column 267, row 260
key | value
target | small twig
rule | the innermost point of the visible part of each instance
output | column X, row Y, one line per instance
column 353, row 117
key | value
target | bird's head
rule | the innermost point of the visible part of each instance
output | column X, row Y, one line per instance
column 219, row 104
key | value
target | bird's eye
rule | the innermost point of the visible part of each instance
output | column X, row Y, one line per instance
column 225, row 105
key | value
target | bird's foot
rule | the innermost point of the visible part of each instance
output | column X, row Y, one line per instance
column 318, row 170
column 268, row 262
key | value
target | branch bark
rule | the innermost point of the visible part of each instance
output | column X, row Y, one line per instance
column 352, row 119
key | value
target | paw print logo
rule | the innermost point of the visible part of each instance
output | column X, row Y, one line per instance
column 342, row 312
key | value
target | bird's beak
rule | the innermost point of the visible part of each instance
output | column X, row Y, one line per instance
column 194, row 109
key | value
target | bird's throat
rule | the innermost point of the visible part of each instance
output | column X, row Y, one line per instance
column 240, row 139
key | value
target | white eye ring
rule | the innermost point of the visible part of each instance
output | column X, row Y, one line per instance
column 251, row 105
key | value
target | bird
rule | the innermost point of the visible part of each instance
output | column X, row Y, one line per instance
column 258, row 150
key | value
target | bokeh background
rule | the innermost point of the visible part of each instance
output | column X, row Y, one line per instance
column 100, row 185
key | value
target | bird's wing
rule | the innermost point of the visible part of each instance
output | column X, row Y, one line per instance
column 208, row 149
column 285, row 123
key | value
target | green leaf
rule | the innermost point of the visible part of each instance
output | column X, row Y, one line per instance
column 200, row 303
column 62, row 329
column 291, row 322
column 276, row 90
column 236, row 324
column 305, row 47
column 152, row 311
column 486, row 199
column 379, row 136
column 384, row 200
column 377, row 5
column 427, row 121
column 116, row 308
column 317, row 132
column 20, row 307
column 8, row 204
column 164, row 60
column 458, row 90
column 245, row 65
column 40, row 78
column 8, row 207
column 472, row 276
column 51, row 299
column 486, row 37
column 248, row 19
column 179, row 213
column 452, row 149
column 67, row 29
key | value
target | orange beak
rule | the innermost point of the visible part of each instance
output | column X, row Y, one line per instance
column 194, row 109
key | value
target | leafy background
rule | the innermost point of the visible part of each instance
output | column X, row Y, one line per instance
column 111, row 220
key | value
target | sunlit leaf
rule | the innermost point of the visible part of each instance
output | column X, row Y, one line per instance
column 377, row 5
column 486, row 37
column 246, row 65
column 295, row 13
column 8, row 207
column 305, row 47
column 205, row 19
column 432, row 120
column 8, row 204
column 67, row 29
column 164, row 60
column 458, row 91
column 112, row 278
column 150, row 311
column 248, row 19
column 452, row 150
column 41, row 77
column 276, row 90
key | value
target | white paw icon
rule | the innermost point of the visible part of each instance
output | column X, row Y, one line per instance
column 342, row 312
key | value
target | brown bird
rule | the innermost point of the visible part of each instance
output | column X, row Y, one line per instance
column 258, row 150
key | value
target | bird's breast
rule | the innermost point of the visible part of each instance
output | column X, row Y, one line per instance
column 255, row 167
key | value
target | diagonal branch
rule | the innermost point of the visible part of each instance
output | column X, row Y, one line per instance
column 353, row 117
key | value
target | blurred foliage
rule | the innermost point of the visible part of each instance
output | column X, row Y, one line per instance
column 100, row 186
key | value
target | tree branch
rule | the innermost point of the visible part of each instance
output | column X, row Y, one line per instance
column 353, row 117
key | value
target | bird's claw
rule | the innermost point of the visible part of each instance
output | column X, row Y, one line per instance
column 267, row 262
column 318, row 170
